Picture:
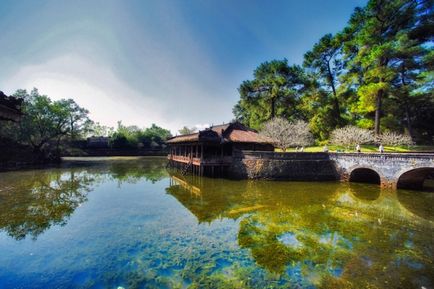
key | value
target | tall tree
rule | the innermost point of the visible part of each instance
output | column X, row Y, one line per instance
column 45, row 120
column 273, row 92
column 324, row 60
column 375, row 29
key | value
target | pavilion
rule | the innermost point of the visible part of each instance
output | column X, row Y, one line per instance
column 10, row 108
column 211, row 151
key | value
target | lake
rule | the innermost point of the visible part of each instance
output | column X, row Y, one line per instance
column 130, row 223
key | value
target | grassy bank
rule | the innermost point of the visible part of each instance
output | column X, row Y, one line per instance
column 367, row 149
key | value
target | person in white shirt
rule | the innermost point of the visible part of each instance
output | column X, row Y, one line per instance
column 358, row 148
column 381, row 149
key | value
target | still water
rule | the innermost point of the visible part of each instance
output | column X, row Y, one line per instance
column 129, row 223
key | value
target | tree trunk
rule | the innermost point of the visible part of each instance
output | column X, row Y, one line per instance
column 273, row 104
column 407, row 116
column 336, row 107
column 378, row 111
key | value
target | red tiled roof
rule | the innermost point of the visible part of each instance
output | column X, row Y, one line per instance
column 230, row 132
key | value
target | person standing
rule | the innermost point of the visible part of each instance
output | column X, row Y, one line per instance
column 325, row 149
column 358, row 148
column 381, row 149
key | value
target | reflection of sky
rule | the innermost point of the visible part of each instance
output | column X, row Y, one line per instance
column 137, row 60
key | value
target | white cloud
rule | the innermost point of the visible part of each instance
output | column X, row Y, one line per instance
column 92, row 85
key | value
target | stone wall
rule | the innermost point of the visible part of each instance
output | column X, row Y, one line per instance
column 283, row 166
column 410, row 168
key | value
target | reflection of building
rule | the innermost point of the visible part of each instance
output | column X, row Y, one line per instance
column 10, row 108
column 211, row 198
column 204, row 151
column 319, row 229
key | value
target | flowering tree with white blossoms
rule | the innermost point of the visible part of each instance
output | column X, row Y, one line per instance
column 391, row 138
column 286, row 134
column 351, row 136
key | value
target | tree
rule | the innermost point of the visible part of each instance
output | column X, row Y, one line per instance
column 286, row 134
column 101, row 130
column 300, row 134
column 372, row 49
column 273, row 92
column 277, row 129
column 187, row 130
column 325, row 61
column 45, row 120
column 394, row 139
column 156, row 134
column 351, row 136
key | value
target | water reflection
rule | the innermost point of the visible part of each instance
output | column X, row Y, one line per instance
column 139, row 227
column 33, row 201
column 418, row 202
column 330, row 235
column 363, row 192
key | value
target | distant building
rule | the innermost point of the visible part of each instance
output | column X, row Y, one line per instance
column 10, row 107
column 213, row 148
column 98, row 142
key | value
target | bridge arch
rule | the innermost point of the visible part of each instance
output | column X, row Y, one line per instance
column 364, row 175
column 416, row 179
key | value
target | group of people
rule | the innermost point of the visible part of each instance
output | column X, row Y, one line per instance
column 299, row 149
column 358, row 148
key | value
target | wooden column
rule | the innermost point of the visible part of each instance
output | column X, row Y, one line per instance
column 201, row 159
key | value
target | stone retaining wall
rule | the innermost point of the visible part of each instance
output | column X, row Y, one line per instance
column 390, row 167
column 283, row 166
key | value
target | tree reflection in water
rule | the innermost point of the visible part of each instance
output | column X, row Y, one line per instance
column 40, row 199
column 332, row 235
column 33, row 201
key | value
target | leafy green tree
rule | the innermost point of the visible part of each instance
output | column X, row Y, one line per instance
column 187, row 130
column 133, row 136
column 373, row 50
column 324, row 60
column 97, row 129
column 156, row 134
column 273, row 92
column 45, row 121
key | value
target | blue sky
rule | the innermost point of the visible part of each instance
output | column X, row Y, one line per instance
column 173, row 63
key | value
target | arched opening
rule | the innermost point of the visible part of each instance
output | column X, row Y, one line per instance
column 417, row 179
column 364, row 175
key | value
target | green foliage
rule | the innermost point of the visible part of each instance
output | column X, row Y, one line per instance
column 134, row 137
column 45, row 121
column 377, row 73
column 274, row 91
column 186, row 130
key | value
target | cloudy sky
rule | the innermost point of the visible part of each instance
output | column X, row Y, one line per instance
column 173, row 63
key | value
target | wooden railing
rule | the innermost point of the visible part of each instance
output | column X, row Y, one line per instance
column 205, row 161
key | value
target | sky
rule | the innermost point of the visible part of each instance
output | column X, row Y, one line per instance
column 168, row 62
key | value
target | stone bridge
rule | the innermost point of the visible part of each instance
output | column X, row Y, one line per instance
column 391, row 170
